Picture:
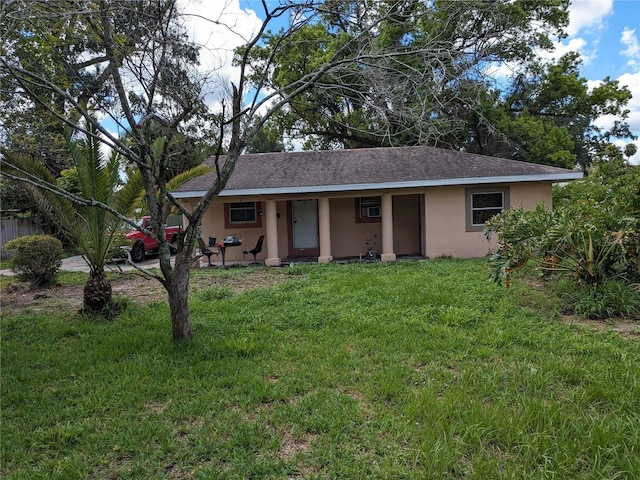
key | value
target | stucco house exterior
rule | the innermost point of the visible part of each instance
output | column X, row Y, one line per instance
column 404, row 201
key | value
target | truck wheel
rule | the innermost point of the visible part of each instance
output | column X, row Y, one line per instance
column 137, row 253
column 173, row 245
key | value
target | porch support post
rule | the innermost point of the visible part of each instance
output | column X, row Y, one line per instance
column 424, row 234
column 324, row 225
column 273, row 260
column 387, row 229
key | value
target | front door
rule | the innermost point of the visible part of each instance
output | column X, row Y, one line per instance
column 304, row 227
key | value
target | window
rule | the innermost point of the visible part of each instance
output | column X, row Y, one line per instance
column 482, row 204
column 368, row 209
column 245, row 214
column 242, row 212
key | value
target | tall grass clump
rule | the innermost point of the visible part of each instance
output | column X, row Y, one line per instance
column 612, row 298
column 216, row 292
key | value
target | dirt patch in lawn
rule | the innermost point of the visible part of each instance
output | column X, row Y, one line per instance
column 142, row 290
column 19, row 295
column 626, row 328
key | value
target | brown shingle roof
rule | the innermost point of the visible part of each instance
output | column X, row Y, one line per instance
column 368, row 168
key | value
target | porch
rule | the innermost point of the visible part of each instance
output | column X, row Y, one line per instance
column 323, row 228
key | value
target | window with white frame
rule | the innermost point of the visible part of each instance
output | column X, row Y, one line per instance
column 483, row 204
column 242, row 213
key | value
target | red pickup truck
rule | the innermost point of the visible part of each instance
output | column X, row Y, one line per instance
column 141, row 242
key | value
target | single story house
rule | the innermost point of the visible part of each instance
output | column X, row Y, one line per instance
column 397, row 201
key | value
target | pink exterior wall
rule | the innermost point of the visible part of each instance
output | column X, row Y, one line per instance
column 528, row 195
column 445, row 233
column 348, row 238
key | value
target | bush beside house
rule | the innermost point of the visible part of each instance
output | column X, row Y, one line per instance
column 591, row 238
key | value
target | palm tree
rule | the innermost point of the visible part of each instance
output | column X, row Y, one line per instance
column 92, row 230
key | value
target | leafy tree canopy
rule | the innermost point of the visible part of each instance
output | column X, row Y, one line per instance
column 547, row 116
column 544, row 114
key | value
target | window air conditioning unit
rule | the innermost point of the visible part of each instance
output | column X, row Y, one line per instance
column 373, row 212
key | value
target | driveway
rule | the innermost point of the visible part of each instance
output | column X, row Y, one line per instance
column 77, row 264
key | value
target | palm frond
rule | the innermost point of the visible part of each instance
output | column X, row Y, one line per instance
column 172, row 184
column 131, row 195
column 184, row 177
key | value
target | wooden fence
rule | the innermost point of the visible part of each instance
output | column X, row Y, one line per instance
column 11, row 228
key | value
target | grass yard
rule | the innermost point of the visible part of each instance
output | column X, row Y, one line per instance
column 417, row 369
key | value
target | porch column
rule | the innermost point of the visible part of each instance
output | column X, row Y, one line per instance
column 424, row 234
column 324, row 225
column 272, row 260
column 387, row 229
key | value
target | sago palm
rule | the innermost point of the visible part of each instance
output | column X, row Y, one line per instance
column 91, row 229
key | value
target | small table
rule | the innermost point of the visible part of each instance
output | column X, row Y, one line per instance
column 223, row 248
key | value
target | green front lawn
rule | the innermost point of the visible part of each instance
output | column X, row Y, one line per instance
column 420, row 369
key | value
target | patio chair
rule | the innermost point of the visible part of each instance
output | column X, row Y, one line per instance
column 255, row 250
column 206, row 251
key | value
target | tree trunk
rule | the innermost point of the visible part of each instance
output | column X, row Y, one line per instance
column 97, row 292
column 178, row 290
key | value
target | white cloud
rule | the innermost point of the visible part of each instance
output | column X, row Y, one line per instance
column 219, row 27
column 573, row 45
column 591, row 84
column 587, row 15
column 632, row 82
column 632, row 52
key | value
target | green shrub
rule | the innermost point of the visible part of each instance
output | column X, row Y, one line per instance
column 592, row 232
column 36, row 259
column 591, row 237
column 586, row 241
